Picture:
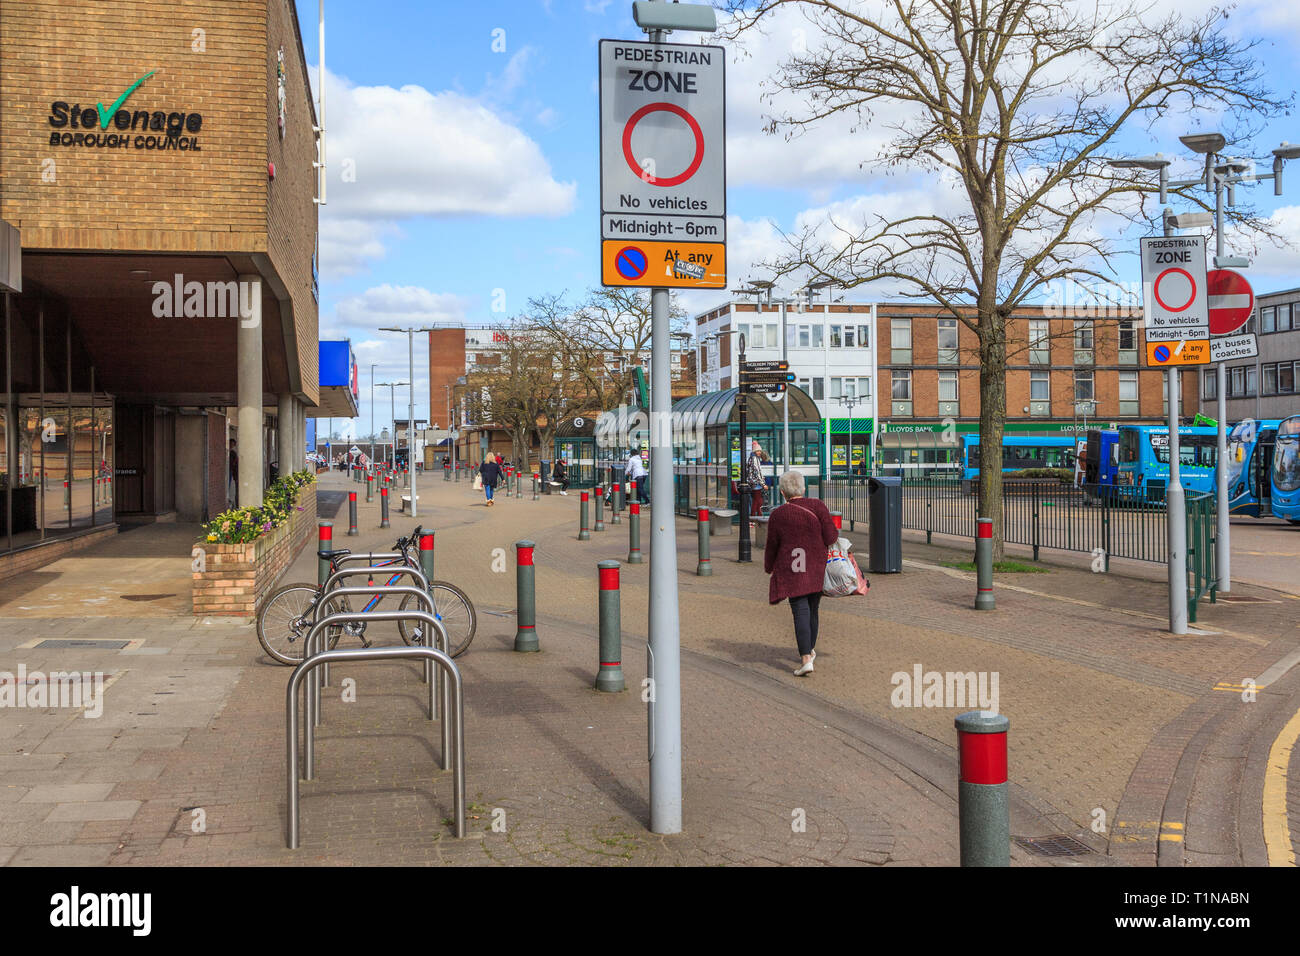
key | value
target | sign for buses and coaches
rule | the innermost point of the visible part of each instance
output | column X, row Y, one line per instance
column 663, row 165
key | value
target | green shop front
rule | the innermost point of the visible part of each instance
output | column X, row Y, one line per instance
column 707, row 453
column 850, row 444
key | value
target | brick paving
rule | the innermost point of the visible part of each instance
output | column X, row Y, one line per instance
column 186, row 765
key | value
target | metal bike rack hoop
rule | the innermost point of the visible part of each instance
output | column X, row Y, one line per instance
column 456, row 710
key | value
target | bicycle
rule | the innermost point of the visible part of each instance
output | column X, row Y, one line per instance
column 287, row 615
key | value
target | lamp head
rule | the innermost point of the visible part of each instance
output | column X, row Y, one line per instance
column 1208, row 143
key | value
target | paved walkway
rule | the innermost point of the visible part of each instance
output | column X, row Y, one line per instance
column 1109, row 713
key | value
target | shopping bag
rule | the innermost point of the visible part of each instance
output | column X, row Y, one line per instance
column 478, row 482
column 841, row 570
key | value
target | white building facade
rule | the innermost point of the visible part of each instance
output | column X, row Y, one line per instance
column 831, row 351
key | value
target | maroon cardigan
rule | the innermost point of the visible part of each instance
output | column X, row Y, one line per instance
column 799, row 523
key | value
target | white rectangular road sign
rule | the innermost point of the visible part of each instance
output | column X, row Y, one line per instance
column 1173, row 285
column 1175, row 334
column 662, row 140
column 1228, row 347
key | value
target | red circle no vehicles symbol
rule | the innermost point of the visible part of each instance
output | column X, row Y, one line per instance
column 1175, row 289
column 1231, row 300
column 641, row 173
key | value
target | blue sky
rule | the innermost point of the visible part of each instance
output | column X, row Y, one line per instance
column 464, row 163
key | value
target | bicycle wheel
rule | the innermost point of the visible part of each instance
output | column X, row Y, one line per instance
column 285, row 619
column 453, row 608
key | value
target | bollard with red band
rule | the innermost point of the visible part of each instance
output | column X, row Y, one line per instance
column 984, row 600
column 583, row 533
column 426, row 555
column 616, row 503
column 536, row 477
column 383, row 507
column 352, row 514
column 610, row 676
column 600, row 509
column 525, row 599
column 634, row 532
column 983, row 812
column 324, row 542
column 704, row 568
column 838, row 519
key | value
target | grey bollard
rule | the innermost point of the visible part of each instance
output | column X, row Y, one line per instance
column 617, row 505
column 525, row 598
column 984, row 600
column 352, row 514
column 383, row 508
column 600, row 510
column 535, row 479
column 370, row 488
column 634, row 533
column 705, row 568
column 610, row 676
column 983, row 812
column 583, row 533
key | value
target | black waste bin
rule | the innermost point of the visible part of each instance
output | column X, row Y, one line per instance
column 544, row 471
column 885, row 508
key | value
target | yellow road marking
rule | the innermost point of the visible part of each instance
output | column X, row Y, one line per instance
column 1277, row 835
column 1172, row 837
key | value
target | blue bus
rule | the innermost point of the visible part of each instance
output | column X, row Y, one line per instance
column 1144, row 458
column 1101, row 460
column 1250, row 466
column 1286, row 470
column 1028, row 451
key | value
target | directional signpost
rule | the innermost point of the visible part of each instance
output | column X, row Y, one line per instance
column 1175, row 308
column 663, row 165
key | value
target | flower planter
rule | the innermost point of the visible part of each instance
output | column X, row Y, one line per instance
column 232, row 579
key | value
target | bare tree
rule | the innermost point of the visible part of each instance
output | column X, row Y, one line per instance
column 1013, row 103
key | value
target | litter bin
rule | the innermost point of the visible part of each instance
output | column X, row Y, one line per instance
column 544, row 472
column 885, row 510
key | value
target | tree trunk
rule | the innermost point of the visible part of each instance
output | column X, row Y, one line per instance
column 993, row 413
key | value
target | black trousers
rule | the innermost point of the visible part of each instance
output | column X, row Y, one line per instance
column 804, row 608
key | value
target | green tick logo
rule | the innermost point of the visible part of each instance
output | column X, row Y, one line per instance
column 106, row 115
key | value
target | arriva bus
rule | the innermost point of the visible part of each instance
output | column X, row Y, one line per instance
column 1028, row 451
column 1250, row 466
column 1144, row 458
column 1286, row 470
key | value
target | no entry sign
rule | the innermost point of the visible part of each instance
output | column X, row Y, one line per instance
column 1174, row 299
column 663, row 166
column 1231, row 301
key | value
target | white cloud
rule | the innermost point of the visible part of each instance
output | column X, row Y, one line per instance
column 397, row 154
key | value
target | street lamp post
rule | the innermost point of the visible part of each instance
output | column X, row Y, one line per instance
column 392, row 408
column 744, row 548
column 410, row 421
column 1219, row 176
column 372, row 415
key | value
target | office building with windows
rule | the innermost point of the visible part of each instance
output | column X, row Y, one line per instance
column 1066, row 372
column 1267, row 386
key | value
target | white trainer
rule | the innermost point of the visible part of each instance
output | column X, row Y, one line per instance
column 803, row 669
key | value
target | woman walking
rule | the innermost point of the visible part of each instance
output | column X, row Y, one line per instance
column 798, row 534
column 491, row 473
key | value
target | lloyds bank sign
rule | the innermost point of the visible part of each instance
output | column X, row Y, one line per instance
column 79, row 125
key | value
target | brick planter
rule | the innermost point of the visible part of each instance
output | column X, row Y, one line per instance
column 238, row 576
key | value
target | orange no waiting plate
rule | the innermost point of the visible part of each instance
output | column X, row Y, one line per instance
column 703, row 265
column 1194, row 352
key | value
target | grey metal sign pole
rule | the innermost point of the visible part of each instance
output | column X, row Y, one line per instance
column 1222, row 544
column 1176, row 509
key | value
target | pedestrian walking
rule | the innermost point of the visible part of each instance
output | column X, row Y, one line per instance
column 560, row 476
column 754, row 477
column 636, row 471
column 232, row 490
column 798, row 534
column 490, row 472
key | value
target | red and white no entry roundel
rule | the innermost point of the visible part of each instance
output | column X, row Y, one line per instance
column 1231, row 301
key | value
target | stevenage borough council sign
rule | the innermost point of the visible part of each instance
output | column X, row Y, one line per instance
column 94, row 126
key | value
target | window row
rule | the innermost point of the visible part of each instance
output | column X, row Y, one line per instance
column 1040, row 341
column 858, row 386
column 1279, row 318
column 767, row 335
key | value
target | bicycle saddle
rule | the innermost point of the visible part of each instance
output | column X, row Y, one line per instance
column 331, row 555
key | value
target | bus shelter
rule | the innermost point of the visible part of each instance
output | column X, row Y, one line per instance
column 595, row 445
column 707, row 457
column 575, row 443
